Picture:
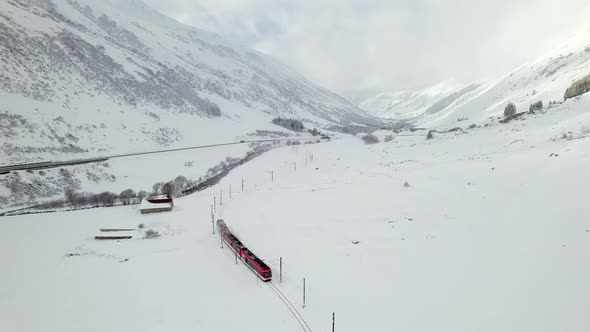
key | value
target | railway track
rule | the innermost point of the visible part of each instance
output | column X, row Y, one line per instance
column 298, row 317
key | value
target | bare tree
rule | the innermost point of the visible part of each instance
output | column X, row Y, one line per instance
column 180, row 183
column 141, row 195
column 70, row 195
column 107, row 198
column 157, row 188
column 168, row 188
column 127, row 196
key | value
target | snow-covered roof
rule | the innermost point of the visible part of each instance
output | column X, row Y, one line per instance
column 159, row 197
column 149, row 205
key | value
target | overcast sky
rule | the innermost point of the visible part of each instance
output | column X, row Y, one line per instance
column 349, row 45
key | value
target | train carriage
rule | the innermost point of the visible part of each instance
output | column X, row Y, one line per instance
column 254, row 263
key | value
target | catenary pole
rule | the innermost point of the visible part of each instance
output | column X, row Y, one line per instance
column 212, row 219
column 281, row 269
column 333, row 320
column 304, row 292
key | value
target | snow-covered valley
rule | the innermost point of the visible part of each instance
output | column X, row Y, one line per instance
column 490, row 233
column 460, row 218
column 86, row 79
column 448, row 104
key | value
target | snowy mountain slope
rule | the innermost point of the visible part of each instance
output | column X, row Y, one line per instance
column 408, row 105
column 545, row 79
column 494, row 228
column 85, row 78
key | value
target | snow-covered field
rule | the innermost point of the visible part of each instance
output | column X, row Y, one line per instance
column 492, row 234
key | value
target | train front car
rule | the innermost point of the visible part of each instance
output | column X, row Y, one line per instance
column 222, row 227
column 256, row 265
column 252, row 262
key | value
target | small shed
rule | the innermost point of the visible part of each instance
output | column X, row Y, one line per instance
column 149, row 207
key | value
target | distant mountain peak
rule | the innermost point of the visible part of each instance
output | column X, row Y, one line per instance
column 407, row 105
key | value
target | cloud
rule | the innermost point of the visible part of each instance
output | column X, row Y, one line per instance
column 351, row 45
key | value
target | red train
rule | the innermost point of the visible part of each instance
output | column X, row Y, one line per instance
column 246, row 256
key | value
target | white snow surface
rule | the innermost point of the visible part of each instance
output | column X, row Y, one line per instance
column 492, row 234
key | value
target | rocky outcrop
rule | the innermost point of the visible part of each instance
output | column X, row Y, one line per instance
column 578, row 88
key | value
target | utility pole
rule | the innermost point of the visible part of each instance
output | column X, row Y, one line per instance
column 230, row 190
column 242, row 184
column 272, row 176
column 303, row 292
column 220, row 196
column 295, row 166
column 281, row 269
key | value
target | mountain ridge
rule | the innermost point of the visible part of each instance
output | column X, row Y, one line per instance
column 75, row 72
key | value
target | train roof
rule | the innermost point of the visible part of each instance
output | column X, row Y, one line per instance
column 255, row 258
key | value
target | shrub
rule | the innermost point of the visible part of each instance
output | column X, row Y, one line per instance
column 578, row 88
column 388, row 138
column 107, row 198
column 314, row 132
column 140, row 226
column 151, row 234
column 370, row 139
column 472, row 126
column 292, row 124
column 510, row 110
column 536, row 106
column 429, row 135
